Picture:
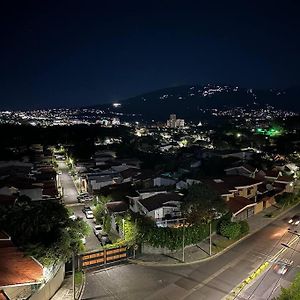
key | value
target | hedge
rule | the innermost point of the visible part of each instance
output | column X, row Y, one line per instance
column 171, row 238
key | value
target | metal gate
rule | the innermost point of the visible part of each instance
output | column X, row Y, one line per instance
column 102, row 257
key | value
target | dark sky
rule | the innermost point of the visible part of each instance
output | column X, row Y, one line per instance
column 70, row 53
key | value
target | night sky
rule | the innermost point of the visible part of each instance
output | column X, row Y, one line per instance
column 74, row 53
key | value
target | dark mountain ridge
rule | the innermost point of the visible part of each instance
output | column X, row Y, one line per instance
column 191, row 101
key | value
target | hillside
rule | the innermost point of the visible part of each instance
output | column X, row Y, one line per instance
column 190, row 102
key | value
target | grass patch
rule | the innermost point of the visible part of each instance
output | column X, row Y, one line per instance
column 78, row 278
column 222, row 244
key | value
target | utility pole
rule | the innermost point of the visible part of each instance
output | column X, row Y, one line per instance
column 183, row 241
column 73, row 274
column 210, row 238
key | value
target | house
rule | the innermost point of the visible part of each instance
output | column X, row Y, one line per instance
column 21, row 186
column 95, row 181
column 287, row 182
column 163, row 207
column 116, row 208
column 244, row 170
column 163, row 181
column 238, row 188
column 272, row 175
column 241, row 207
column 20, row 275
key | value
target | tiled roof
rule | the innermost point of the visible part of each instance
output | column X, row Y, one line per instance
column 16, row 268
column 117, row 206
column 157, row 201
column 236, row 204
column 272, row 173
column 227, row 184
column 286, row 179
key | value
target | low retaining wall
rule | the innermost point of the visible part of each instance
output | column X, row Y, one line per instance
column 47, row 291
column 147, row 249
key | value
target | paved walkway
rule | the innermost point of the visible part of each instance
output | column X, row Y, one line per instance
column 200, row 251
column 65, row 292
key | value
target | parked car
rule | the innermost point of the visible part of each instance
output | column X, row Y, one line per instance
column 84, row 197
column 89, row 214
column 104, row 239
column 59, row 172
column 83, row 240
column 86, row 208
column 98, row 230
column 295, row 220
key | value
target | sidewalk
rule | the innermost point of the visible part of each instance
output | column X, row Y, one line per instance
column 65, row 292
column 196, row 253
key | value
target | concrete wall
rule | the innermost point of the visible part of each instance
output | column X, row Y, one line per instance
column 147, row 249
column 49, row 289
column 258, row 207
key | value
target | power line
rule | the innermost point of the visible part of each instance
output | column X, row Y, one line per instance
column 267, row 272
column 293, row 252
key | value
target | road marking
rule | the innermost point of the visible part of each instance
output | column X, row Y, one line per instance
column 238, row 289
column 207, row 280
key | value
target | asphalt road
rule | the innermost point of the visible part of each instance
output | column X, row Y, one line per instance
column 209, row 280
column 269, row 284
column 70, row 199
column 69, row 189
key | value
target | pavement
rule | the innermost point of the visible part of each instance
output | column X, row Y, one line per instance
column 200, row 251
column 65, row 292
column 209, row 279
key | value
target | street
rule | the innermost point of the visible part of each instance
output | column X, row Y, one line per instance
column 211, row 280
column 69, row 189
column 70, row 200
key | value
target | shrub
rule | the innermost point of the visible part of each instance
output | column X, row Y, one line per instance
column 244, row 227
column 231, row 230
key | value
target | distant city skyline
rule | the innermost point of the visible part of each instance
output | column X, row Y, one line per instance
column 70, row 54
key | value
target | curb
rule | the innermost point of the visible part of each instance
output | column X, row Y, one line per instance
column 157, row 264
column 82, row 287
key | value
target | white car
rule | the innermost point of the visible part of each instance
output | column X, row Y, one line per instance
column 89, row 214
column 83, row 240
column 97, row 229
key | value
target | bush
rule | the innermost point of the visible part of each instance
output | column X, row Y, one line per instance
column 244, row 227
column 285, row 199
column 231, row 230
column 171, row 238
column 292, row 292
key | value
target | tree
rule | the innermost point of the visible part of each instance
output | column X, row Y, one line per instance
column 285, row 198
column 292, row 292
column 107, row 223
column 202, row 204
column 44, row 230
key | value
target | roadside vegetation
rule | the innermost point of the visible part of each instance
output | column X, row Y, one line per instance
column 44, row 230
column 292, row 292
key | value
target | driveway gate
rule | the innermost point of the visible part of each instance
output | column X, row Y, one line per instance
column 102, row 257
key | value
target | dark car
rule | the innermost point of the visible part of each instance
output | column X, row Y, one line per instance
column 295, row 220
column 104, row 239
column 86, row 208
